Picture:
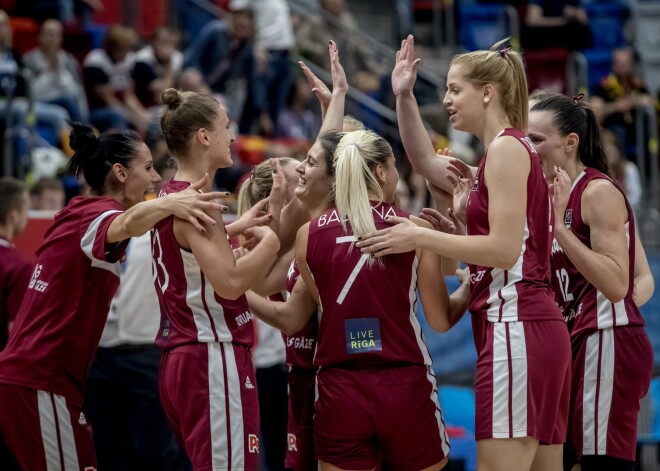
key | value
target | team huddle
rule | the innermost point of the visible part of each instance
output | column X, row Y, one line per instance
column 554, row 280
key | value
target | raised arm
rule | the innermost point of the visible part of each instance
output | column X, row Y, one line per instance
column 190, row 205
column 414, row 136
column 506, row 173
column 289, row 316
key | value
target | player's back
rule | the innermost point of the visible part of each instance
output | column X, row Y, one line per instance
column 367, row 313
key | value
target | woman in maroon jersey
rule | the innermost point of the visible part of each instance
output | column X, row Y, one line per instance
column 57, row 330
column 594, row 260
column 206, row 327
column 522, row 343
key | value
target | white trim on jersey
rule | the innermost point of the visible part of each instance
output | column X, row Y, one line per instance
column 503, row 288
column 414, row 322
column 598, row 385
column 577, row 179
column 87, row 244
column 56, row 432
column 509, row 380
column 208, row 314
column 444, row 439
column 236, row 422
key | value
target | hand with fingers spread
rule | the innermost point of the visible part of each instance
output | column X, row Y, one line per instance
column 560, row 190
column 192, row 204
column 278, row 191
column 462, row 187
column 399, row 238
column 405, row 69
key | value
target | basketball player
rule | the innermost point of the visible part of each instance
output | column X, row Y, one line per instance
column 522, row 343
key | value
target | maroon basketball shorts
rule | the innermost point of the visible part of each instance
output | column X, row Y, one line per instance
column 367, row 416
column 209, row 394
column 300, row 432
column 45, row 431
column 522, row 379
column 612, row 370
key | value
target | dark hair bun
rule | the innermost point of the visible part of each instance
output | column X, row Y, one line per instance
column 82, row 138
column 171, row 98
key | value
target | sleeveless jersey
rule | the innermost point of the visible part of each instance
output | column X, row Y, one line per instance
column 190, row 310
column 300, row 347
column 58, row 327
column 523, row 292
column 367, row 315
column 586, row 309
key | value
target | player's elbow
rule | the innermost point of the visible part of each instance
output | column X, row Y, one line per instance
column 616, row 294
column 438, row 323
column 228, row 288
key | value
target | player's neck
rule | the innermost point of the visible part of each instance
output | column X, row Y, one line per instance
column 492, row 129
column 574, row 169
column 7, row 233
column 192, row 175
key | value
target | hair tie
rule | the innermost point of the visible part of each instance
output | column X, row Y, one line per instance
column 578, row 97
column 504, row 52
column 354, row 145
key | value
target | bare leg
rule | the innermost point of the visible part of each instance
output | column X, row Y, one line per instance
column 506, row 454
column 548, row 458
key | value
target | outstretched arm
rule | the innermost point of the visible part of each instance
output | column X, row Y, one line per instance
column 190, row 205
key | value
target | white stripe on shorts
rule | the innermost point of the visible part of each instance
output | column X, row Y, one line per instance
column 509, row 380
column 236, row 422
column 596, row 415
column 50, row 418
column 444, row 439
column 217, row 410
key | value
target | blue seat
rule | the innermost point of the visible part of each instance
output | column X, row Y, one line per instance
column 607, row 21
column 481, row 26
column 599, row 63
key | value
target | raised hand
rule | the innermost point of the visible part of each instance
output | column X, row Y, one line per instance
column 320, row 89
column 405, row 69
column 278, row 191
column 449, row 225
column 339, row 82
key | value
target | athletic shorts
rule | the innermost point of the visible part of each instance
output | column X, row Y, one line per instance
column 365, row 416
column 44, row 431
column 300, row 432
column 522, row 379
column 209, row 395
column 612, row 370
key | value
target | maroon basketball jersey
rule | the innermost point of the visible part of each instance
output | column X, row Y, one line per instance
column 586, row 309
column 60, row 322
column 15, row 271
column 524, row 292
column 190, row 310
column 301, row 346
column 367, row 313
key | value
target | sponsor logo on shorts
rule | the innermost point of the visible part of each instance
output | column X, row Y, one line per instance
column 291, row 442
column 300, row 342
column 248, row 383
column 253, row 443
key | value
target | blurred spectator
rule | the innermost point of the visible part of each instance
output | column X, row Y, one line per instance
column 274, row 40
column 12, row 83
column 312, row 38
column 297, row 120
column 15, row 269
column 223, row 53
column 622, row 171
column 157, row 65
column 556, row 23
column 109, row 84
column 47, row 194
column 618, row 95
column 56, row 74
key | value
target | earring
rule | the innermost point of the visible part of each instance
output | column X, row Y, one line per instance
column 486, row 99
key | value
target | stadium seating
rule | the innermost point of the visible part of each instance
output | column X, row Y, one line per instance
column 481, row 26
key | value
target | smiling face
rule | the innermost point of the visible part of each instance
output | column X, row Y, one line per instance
column 141, row 177
column 463, row 100
column 550, row 146
column 314, row 181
